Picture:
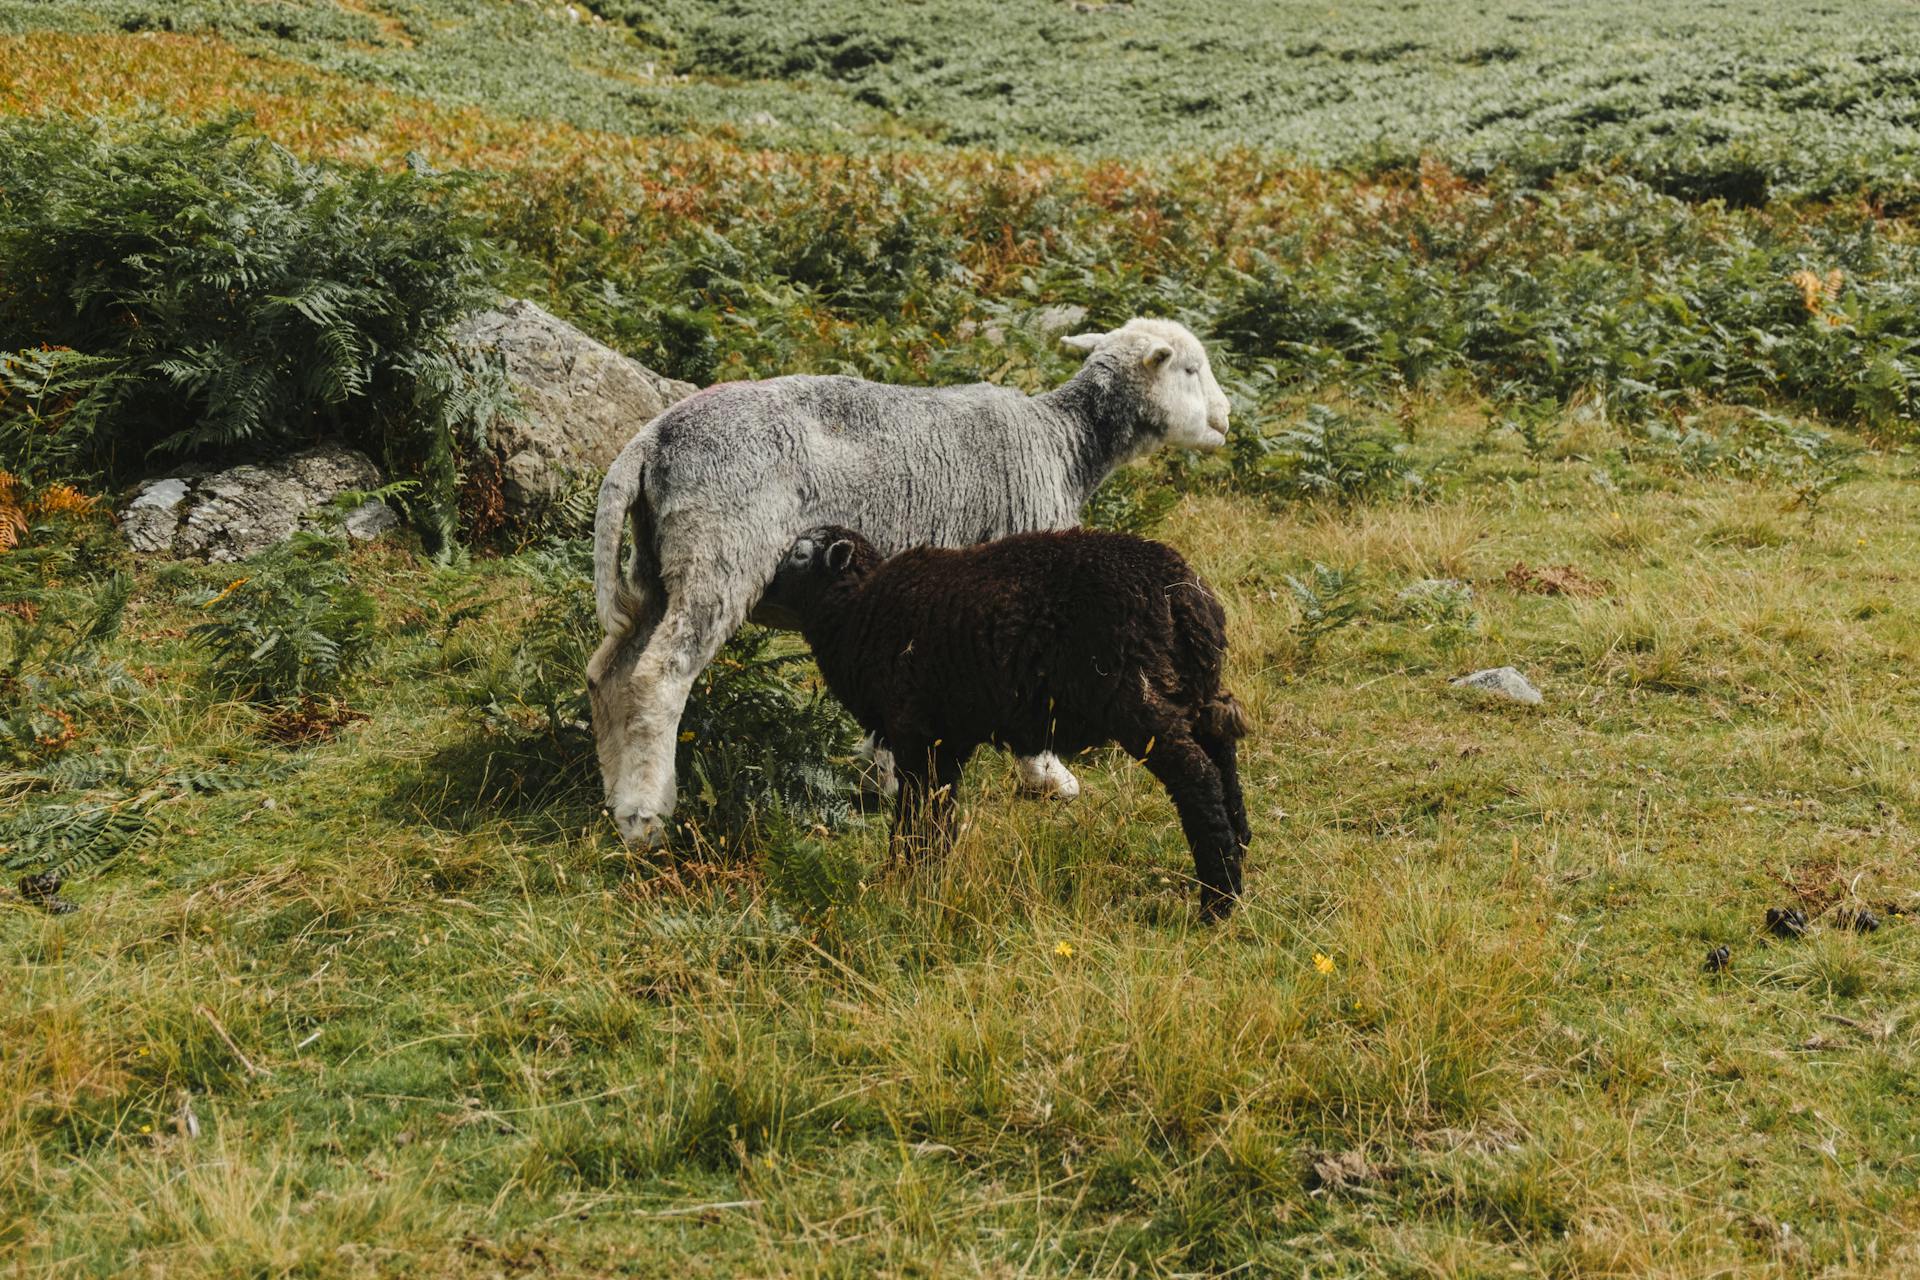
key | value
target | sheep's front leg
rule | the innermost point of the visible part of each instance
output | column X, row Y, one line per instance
column 1044, row 775
column 1194, row 784
column 645, row 706
column 1225, row 754
column 924, row 814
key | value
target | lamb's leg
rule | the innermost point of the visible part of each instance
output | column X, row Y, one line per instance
column 910, row 782
column 1044, row 775
column 1194, row 785
column 944, row 801
column 1225, row 754
column 655, row 693
column 923, row 816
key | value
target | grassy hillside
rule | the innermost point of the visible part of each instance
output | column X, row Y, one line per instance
column 1813, row 100
column 361, row 983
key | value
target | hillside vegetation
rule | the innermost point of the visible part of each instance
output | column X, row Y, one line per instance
column 1584, row 340
column 1816, row 100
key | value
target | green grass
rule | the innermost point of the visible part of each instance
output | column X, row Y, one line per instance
column 382, row 995
column 428, row 1016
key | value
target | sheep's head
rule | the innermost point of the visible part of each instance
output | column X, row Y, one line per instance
column 1171, row 377
column 819, row 560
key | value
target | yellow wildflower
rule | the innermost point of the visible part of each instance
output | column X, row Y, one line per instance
column 1063, row 949
column 1323, row 963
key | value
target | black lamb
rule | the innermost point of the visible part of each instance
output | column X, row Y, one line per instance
column 1053, row 641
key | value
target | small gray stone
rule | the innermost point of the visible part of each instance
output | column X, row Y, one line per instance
column 968, row 330
column 1501, row 682
column 369, row 520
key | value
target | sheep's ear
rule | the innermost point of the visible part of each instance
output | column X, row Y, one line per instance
column 839, row 556
column 1158, row 354
column 1084, row 343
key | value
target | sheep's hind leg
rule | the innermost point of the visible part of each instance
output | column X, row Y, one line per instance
column 1195, row 786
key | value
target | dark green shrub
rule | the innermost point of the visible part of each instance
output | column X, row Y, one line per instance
column 52, row 677
column 1326, row 456
column 760, row 745
column 1595, row 288
column 1131, row 501
column 762, row 750
column 295, row 623
column 209, row 291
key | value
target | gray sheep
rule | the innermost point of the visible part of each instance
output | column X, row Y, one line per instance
column 716, row 489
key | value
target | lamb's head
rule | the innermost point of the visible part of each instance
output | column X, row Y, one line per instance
column 1166, row 370
column 821, row 562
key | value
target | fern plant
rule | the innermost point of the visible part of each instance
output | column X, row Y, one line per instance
column 51, row 673
column 758, row 744
column 1328, row 599
column 1328, row 456
column 1130, row 501
column 762, row 749
column 207, row 290
column 293, row 624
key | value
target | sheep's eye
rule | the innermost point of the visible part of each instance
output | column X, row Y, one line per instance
column 1192, row 372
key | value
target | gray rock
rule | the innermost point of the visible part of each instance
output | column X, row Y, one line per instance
column 369, row 520
column 1063, row 317
column 1501, row 682
column 152, row 517
column 581, row 402
column 232, row 514
column 1047, row 322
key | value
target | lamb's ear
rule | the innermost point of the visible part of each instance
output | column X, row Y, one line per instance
column 839, row 556
column 1084, row 343
column 1158, row 354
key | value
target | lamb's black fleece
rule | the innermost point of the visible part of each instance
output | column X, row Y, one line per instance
column 1043, row 641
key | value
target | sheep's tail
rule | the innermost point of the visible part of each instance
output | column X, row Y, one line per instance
column 620, row 589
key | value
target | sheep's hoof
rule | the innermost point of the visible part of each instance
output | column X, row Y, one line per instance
column 1216, row 905
column 641, row 830
column 1046, row 776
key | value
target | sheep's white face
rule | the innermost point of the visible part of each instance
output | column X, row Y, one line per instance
column 1181, row 399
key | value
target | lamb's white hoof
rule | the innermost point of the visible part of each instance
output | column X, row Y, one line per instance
column 1046, row 776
